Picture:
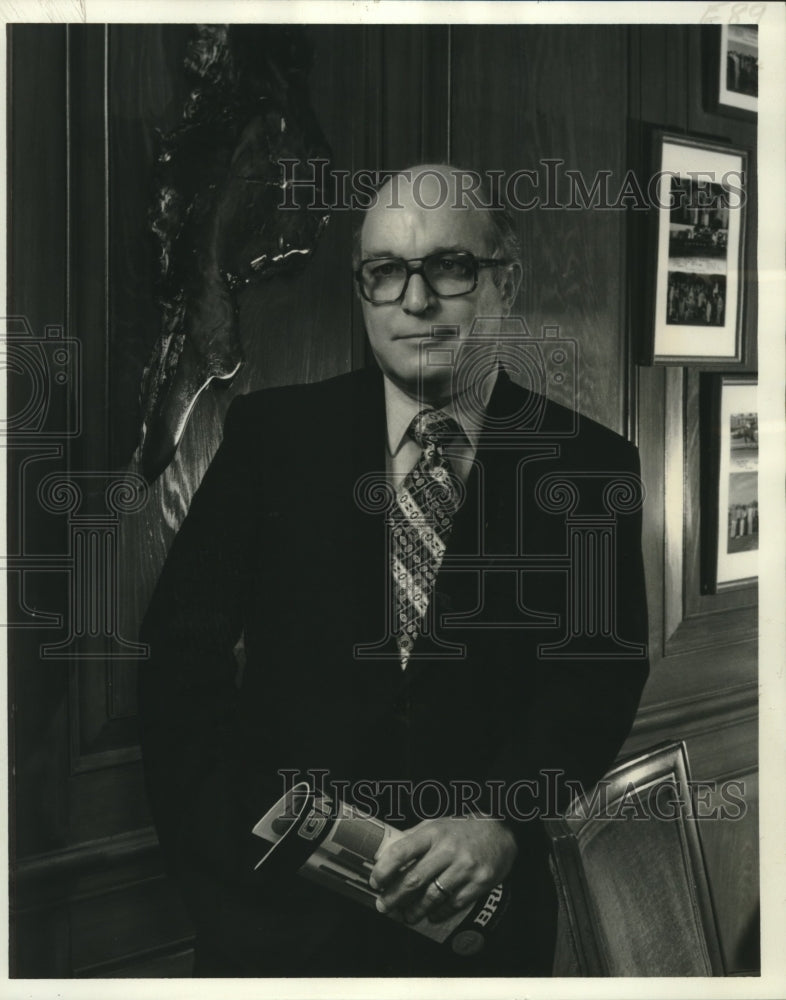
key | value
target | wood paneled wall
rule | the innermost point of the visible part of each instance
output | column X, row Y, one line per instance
column 703, row 686
column 88, row 892
column 557, row 93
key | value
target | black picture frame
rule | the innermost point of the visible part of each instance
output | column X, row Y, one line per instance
column 728, row 481
column 718, row 50
column 696, row 228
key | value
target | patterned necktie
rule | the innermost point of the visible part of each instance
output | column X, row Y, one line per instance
column 421, row 519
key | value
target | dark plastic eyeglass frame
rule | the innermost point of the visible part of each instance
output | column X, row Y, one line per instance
column 415, row 265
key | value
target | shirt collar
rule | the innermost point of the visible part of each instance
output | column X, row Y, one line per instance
column 401, row 408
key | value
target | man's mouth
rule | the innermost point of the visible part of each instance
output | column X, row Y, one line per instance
column 433, row 333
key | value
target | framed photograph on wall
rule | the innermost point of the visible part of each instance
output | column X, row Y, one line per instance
column 729, row 481
column 737, row 79
column 698, row 190
column 730, row 61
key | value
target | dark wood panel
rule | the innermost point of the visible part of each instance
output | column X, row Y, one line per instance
column 91, row 868
column 651, row 391
column 722, row 741
column 675, row 76
column 661, row 74
column 156, row 964
column 714, row 628
column 557, row 93
column 693, row 676
column 121, row 695
column 706, row 708
column 131, row 921
column 62, row 899
column 95, row 728
column 37, row 163
column 413, row 80
column 683, row 620
column 87, row 250
column 40, row 945
column 101, row 734
column 38, row 723
column 724, row 750
column 108, row 800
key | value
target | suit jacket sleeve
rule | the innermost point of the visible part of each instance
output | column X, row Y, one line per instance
column 207, row 774
column 574, row 714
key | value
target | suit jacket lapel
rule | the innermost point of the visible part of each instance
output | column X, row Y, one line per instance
column 489, row 503
column 485, row 522
column 367, row 490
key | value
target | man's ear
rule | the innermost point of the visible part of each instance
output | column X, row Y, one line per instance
column 509, row 286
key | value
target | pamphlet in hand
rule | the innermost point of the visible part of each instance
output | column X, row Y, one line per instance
column 335, row 844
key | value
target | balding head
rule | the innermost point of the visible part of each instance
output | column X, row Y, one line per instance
column 431, row 185
column 454, row 271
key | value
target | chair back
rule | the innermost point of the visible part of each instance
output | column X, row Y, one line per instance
column 634, row 898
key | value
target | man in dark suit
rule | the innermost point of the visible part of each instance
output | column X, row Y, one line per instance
column 507, row 658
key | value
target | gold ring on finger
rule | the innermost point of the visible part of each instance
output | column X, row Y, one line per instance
column 440, row 887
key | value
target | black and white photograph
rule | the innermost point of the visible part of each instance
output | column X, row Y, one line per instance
column 730, row 491
column 743, row 483
column 696, row 299
column 698, row 248
column 739, row 66
column 378, row 614
column 743, row 512
column 698, row 231
column 738, row 494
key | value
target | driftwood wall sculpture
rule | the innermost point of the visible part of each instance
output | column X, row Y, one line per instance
column 218, row 219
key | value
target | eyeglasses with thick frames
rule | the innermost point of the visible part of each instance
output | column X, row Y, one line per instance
column 448, row 274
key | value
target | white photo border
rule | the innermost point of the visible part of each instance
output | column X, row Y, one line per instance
column 737, row 395
column 732, row 98
column 727, row 166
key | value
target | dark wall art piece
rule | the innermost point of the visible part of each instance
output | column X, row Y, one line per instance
column 218, row 218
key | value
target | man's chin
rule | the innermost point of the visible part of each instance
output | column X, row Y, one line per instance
column 430, row 387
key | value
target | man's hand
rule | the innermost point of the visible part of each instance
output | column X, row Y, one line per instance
column 467, row 857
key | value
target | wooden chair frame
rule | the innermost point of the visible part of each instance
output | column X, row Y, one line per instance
column 664, row 763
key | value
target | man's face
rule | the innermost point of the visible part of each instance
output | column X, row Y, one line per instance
column 399, row 331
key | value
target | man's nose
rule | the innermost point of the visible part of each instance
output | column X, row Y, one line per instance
column 418, row 296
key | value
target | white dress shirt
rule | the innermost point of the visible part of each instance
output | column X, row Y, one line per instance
column 403, row 451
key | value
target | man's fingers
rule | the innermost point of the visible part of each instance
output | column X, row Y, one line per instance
column 461, row 888
column 439, row 896
column 465, row 857
column 414, row 883
column 442, row 911
column 398, row 855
